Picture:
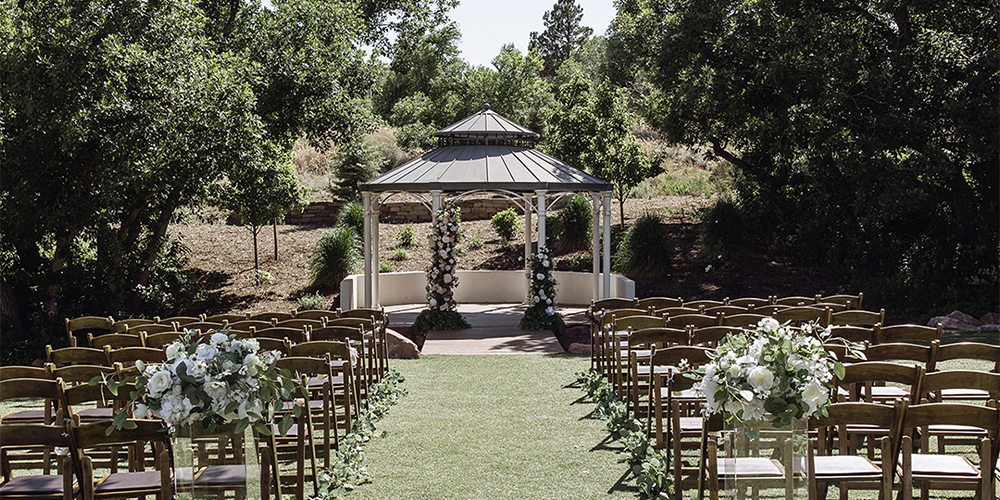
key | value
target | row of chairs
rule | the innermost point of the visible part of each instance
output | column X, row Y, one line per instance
column 674, row 413
column 325, row 368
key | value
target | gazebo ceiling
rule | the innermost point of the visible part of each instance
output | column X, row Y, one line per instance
column 485, row 151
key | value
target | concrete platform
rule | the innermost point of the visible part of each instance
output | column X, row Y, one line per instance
column 494, row 330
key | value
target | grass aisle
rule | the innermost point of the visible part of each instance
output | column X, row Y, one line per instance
column 492, row 427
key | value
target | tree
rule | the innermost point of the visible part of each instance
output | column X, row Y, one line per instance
column 115, row 114
column 513, row 89
column 262, row 195
column 863, row 134
column 562, row 35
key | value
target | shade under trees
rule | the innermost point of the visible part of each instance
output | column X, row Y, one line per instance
column 864, row 134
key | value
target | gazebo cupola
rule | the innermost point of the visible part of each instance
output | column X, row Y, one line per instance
column 487, row 152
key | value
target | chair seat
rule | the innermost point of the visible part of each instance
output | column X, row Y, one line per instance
column 129, row 481
column 955, row 430
column 685, row 395
column 97, row 413
column 691, row 424
column 845, row 465
column 48, row 485
column 222, row 475
column 941, row 465
column 27, row 415
column 974, row 394
column 750, row 467
column 886, row 392
column 313, row 404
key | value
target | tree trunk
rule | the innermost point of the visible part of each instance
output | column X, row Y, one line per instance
column 150, row 254
column 275, row 222
column 255, row 230
column 51, row 301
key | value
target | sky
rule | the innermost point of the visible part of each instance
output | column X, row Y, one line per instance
column 487, row 25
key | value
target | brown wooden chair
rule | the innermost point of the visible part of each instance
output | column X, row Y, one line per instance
column 599, row 335
column 76, row 356
column 77, row 327
column 794, row 300
column 840, row 464
column 675, row 311
column 852, row 301
column 319, row 380
column 224, row 317
column 947, row 355
column 37, row 437
column 710, row 336
column 944, row 470
column 294, row 335
column 802, row 314
column 222, row 461
column 692, row 320
column 832, row 306
column 750, row 303
column 152, row 328
column 617, row 347
column 159, row 340
column 702, row 304
column 114, row 340
column 124, row 325
column 41, row 395
column 908, row 332
column 179, row 321
column 657, row 302
column 136, row 482
column 201, row 326
column 597, row 312
column 858, row 334
column 727, row 310
column 770, row 309
column 640, row 351
column 319, row 314
column 245, row 324
column 744, row 320
column 129, row 355
column 857, row 317
column 41, row 399
column 77, row 374
column 272, row 316
column 900, row 351
column 343, row 361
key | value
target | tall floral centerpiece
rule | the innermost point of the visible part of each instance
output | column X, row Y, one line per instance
column 767, row 381
column 541, row 313
column 442, row 276
column 208, row 381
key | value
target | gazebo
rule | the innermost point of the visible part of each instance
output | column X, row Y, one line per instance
column 488, row 153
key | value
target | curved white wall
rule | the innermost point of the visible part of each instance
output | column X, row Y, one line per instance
column 574, row 288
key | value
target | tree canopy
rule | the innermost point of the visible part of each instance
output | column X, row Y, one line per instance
column 864, row 135
column 563, row 34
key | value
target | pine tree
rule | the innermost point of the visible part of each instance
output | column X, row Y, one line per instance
column 562, row 35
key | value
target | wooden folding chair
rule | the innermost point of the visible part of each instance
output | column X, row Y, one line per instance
column 857, row 317
column 114, row 340
column 794, row 300
column 692, row 320
column 640, row 352
column 947, row 355
column 159, row 340
column 246, row 324
column 343, row 367
column 802, row 314
column 179, row 321
column 85, row 438
column 224, row 317
column 319, row 380
column 943, row 470
column 77, row 327
column 124, row 325
column 76, row 356
column 969, row 385
column 596, row 313
column 899, row 351
column 129, row 355
column 710, row 336
column 655, row 302
column 859, row 334
column 320, row 314
column 744, row 320
column 727, row 310
column 675, row 311
column 617, row 347
column 41, row 400
column 908, row 332
column 294, row 335
column 703, row 304
column 40, row 438
column 750, row 303
column 272, row 316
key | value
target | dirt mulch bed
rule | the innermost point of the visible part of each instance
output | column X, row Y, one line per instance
column 222, row 256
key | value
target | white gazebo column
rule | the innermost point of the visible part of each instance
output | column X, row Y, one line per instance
column 375, row 208
column 540, row 193
column 365, row 204
column 607, row 244
column 595, row 210
column 527, row 247
column 435, row 202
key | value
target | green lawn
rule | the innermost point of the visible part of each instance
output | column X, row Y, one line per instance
column 476, row 427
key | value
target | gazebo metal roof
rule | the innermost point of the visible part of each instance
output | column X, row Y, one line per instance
column 485, row 151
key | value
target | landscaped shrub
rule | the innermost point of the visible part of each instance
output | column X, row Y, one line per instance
column 644, row 250
column 399, row 254
column 506, row 223
column 575, row 221
column 723, row 228
column 405, row 235
column 334, row 257
column 311, row 301
column 352, row 215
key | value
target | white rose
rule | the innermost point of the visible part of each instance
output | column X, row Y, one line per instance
column 769, row 325
column 216, row 390
column 760, row 378
column 540, row 276
column 197, row 369
column 206, row 352
column 447, row 278
column 173, row 349
column 709, row 386
column 535, row 299
column 733, row 371
column 815, row 395
column 550, row 311
column 443, row 253
column 141, row 411
column 545, row 264
column 251, row 360
column 218, row 338
column 159, row 382
column 433, row 302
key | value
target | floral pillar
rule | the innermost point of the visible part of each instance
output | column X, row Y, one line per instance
column 541, row 313
column 441, row 275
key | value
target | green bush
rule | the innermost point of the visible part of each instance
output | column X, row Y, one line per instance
column 723, row 228
column 311, row 301
column 386, row 267
column 352, row 215
column 334, row 257
column 506, row 223
column 575, row 221
column 405, row 235
column 399, row 254
column 644, row 249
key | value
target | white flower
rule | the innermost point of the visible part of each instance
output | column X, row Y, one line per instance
column 218, row 338
column 447, row 278
column 159, row 382
column 535, row 299
column 760, row 378
column 173, row 349
column 709, row 386
column 545, row 263
column 141, row 411
column 708, row 268
column 216, row 390
column 433, row 302
column 197, row 369
column 815, row 395
column 251, row 359
column 769, row 325
column 733, row 371
column 443, row 254
column 548, row 301
column 206, row 352
column 550, row 311
column 540, row 276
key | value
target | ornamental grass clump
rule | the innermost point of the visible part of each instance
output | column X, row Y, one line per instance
column 575, row 221
column 541, row 313
column 334, row 257
column 644, row 249
column 352, row 215
column 772, row 372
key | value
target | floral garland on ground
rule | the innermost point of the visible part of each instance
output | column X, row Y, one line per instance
column 541, row 313
column 442, row 278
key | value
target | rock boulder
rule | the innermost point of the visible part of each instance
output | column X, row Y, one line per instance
column 577, row 348
column 956, row 321
column 401, row 347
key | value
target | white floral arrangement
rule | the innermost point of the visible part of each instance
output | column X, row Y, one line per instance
column 441, row 275
column 543, row 283
column 773, row 372
column 213, row 379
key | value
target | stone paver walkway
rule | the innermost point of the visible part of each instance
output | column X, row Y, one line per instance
column 494, row 330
